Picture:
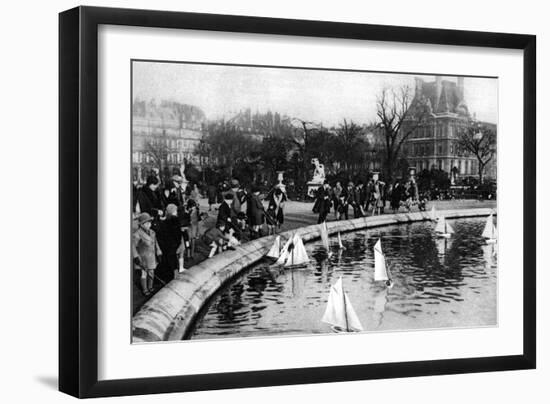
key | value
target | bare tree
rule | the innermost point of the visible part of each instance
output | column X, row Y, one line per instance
column 301, row 139
column 157, row 149
column 351, row 145
column 227, row 145
column 481, row 142
column 399, row 115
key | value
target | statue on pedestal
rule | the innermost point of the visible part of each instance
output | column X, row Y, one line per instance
column 318, row 178
column 280, row 181
column 319, row 172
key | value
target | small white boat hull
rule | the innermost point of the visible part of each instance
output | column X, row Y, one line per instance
column 339, row 330
column 491, row 241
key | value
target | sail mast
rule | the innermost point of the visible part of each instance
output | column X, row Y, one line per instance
column 345, row 308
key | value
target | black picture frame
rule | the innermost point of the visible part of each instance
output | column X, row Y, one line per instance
column 78, row 207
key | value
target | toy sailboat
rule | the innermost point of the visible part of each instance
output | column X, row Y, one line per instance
column 381, row 270
column 275, row 250
column 490, row 231
column 339, row 312
column 324, row 238
column 284, row 252
column 443, row 229
column 340, row 245
column 293, row 252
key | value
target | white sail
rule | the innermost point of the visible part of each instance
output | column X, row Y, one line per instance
column 440, row 226
column 324, row 235
column 380, row 271
column 489, row 230
column 448, row 228
column 353, row 320
column 432, row 214
column 335, row 311
column 274, row 252
column 340, row 245
column 298, row 254
column 284, row 252
column 339, row 311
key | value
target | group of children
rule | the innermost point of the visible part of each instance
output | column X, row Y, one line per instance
column 162, row 242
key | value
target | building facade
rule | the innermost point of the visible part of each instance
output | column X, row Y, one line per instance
column 434, row 143
column 165, row 135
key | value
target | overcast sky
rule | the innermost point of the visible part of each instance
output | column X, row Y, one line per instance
column 325, row 97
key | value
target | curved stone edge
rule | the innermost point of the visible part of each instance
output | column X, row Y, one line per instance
column 168, row 315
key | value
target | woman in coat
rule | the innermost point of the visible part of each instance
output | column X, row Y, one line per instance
column 211, row 192
column 145, row 251
column 276, row 204
column 396, row 196
column 256, row 210
column 148, row 198
column 170, row 242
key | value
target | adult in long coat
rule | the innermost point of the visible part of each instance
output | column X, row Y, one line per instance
column 225, row 213
column 277, row 201
column 170, row 240
column 337, row 191
column 396, row 196
column 256, row 212
column 148, row 199
column 211, row 192
column 323, row 202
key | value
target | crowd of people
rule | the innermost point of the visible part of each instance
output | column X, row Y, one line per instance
column 166, row 219
column 366, row 198
column 167, row 222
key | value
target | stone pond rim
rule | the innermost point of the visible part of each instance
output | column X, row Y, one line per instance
column 169, row 314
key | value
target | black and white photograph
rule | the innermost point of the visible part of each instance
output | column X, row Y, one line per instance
column 273, row 201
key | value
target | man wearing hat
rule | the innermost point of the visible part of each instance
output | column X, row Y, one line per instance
column 173, row 192
column 238, row 197
column 323, row 201
column 145, row 252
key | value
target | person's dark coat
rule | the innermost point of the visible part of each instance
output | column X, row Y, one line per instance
column 225, row 214
column 350, row 196
column 277, row 209
column 169, row 239
column 149, row 202
column 184, row 216
column 323, row 201
column 369, row 193
column 256, row 210
column 172, row 196
column 396, row 196
column 211, row 192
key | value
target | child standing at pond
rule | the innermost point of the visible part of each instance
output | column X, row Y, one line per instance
column 145, row 251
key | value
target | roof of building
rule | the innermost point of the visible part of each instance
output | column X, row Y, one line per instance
column 441, row 96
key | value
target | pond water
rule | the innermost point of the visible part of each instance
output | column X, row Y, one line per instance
column 437, row 283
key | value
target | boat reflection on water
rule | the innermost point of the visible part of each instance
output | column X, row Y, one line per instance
column 437, row 282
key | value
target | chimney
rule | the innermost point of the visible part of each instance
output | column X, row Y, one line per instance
column 460, row 85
